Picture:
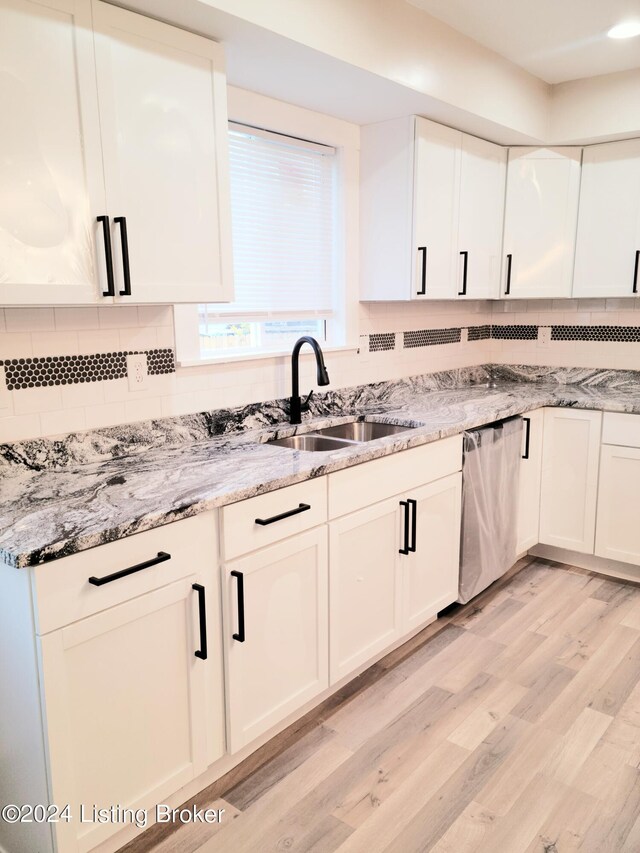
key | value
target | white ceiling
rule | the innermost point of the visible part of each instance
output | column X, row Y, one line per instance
column 556, row 40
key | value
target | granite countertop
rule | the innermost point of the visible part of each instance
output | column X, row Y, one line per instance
column 63, row 496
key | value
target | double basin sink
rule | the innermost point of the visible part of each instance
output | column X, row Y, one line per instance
column 336, row 437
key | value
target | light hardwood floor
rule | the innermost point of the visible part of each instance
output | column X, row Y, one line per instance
column 510, row 726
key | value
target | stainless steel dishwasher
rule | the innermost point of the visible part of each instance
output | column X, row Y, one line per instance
column 490, row 479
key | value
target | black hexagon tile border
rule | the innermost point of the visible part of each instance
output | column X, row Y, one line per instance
column 47, row 370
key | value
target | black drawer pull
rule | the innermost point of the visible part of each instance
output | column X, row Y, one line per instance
column 288, row 514
column 240, row 636
column 527, row 436
column 202, row 610
column 108, row 257
column 162, row 556
column 635, row 272
column 507, row 290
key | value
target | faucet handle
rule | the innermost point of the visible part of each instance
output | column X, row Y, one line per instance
column 304, row 406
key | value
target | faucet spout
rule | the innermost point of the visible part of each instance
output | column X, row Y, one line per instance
column 321, row 370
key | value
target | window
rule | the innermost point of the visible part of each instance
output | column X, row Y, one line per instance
column 283, row 208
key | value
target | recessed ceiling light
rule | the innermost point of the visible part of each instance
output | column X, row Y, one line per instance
column 625, row 31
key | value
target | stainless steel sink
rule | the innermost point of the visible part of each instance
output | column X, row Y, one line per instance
column 337, row 437
column 361, row 431
column 311, row 442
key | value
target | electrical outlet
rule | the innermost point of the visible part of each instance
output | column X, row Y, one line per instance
column 544, row 337
column 5, row 394
column 137, row 371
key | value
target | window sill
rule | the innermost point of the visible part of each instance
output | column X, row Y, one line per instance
column 253, row 356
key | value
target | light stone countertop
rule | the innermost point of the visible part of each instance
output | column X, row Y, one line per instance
column 62, row 496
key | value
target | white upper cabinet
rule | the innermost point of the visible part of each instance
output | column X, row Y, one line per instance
column 436, row 181
column 127, row 123
column 162, row 98
column 482, row 183
column 608, row 242
column 432, row 202
column 51, row 186
column 541, row 211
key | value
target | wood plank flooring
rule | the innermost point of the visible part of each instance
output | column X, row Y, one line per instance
column 512, row 725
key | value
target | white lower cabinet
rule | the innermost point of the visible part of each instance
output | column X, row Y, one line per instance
column 123, row 651
column 530, row 481
column 617, row 529
column 431, row 572
column 125, row 708
column 570, row 478
column 366, row 585
column 275, row 625
column 393, row 566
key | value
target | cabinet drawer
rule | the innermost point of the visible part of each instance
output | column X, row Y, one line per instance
column 366, row 484
column 251, row 524
column 63, row 593
column 621, row 429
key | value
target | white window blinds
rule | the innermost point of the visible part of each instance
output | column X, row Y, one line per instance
column 283, row 220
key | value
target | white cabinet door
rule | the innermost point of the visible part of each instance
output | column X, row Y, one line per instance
column 608, row 240
column 541, row 212
column 125, row 706
column 617, row 528
column 436, row 196
column 432, row 570
column 482, row 185
column 163, row 120
column 365, row 585
column 276, row 619
column 51, row 251
column 530, row 479
column 570, row 457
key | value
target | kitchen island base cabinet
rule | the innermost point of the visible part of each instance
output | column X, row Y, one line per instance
column 275, row 622
column 617, row 530
column 569, row 478
column 125, row 708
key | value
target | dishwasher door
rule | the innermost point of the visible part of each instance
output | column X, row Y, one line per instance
column 490, row 479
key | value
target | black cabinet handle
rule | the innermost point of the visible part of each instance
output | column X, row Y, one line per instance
column 288, row 514
column 405, row 548
column 410, row 521
column 635, row 273
column 465, row 259
column 527, row 436
column 423, row 276
column 413, row 506
column 106, row 233
column 240, row 636
column 508, row 287
column 124, row 241
column 202, row 611
column 162, row 556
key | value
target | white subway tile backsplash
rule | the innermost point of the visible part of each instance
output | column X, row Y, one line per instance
column 15, row 345
column 96, row 341
column 118, row 316
column 62, row 421
column 30, row 400
column 76, row 319
column 54, row 343
column 155, row 315
column 29, row 319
